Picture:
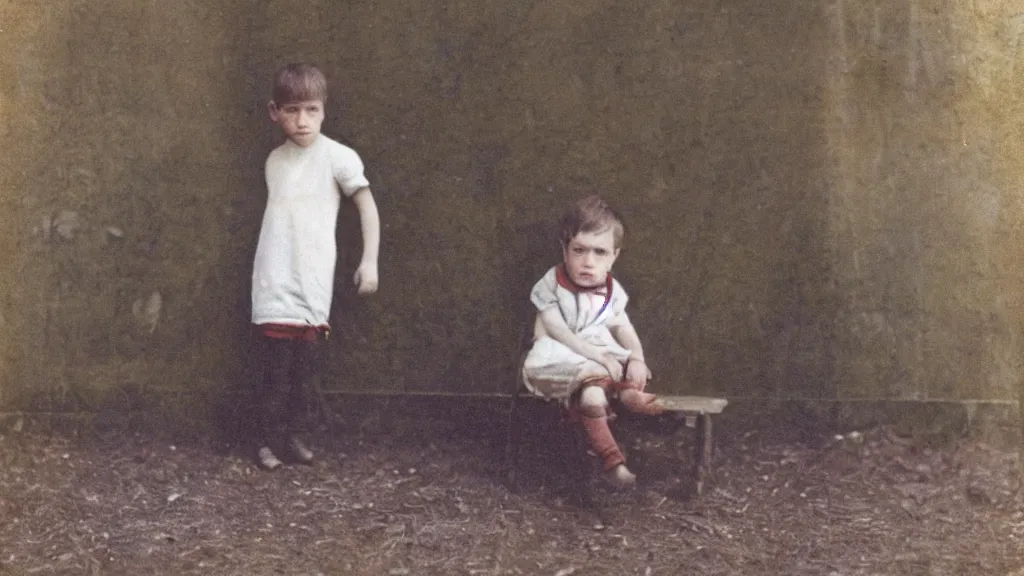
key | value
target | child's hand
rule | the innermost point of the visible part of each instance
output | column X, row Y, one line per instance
column 637, row 374
column 612, row 365
column 365, row 278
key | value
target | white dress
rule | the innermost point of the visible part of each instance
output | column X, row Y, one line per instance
column 553, row 370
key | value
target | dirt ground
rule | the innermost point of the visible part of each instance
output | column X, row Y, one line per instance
column 423, row 494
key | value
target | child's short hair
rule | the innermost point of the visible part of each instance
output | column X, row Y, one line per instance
column 591, row 214
column 298, row 83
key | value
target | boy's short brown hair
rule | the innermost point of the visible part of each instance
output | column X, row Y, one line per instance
column 299, row 83
column 591, row 214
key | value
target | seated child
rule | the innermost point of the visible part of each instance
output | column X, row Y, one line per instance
column 293, row 270
column 585, row 347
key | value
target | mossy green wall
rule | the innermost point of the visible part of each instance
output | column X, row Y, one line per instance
column 823, row 198
column 702, row 122
column 925, row 211
column 120, row 169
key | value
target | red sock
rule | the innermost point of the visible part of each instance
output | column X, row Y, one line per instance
column 601, row 440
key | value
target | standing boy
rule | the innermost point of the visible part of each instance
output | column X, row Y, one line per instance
column 293, row 271
column 585, row 347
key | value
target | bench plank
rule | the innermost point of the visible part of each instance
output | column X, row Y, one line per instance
column 693, row 404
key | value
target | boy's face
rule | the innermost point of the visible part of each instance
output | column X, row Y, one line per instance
column 299, row 120
column 589, row 257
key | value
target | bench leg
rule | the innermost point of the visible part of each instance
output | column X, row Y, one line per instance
column 580, row 465
column 702, row 451
column 512, row 439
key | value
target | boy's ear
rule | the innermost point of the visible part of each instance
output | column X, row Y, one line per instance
column 272, row 108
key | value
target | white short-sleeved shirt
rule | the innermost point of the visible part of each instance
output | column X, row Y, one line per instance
column 293, row 271
column 579, row 309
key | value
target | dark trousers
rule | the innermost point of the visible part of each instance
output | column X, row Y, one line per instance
column 285, row 369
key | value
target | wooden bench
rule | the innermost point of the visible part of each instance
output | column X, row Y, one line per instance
column 696, row 410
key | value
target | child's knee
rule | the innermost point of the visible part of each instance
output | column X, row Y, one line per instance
column 593, row 402
column 593, row 396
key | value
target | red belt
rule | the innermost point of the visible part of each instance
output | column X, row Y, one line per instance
column 304, row 332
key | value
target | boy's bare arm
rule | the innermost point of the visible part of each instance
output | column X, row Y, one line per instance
column 637, row 371
column 625, row 334
column 556, row 328
column 369, row 221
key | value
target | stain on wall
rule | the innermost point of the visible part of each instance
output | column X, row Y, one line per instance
column 822, row 199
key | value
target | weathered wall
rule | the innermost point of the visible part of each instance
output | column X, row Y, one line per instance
column 702, row 121
column 823, row 197
column 119, row 115
column 925, row 212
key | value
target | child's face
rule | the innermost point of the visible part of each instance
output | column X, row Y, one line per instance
column 299, row 120
column 589, row 257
